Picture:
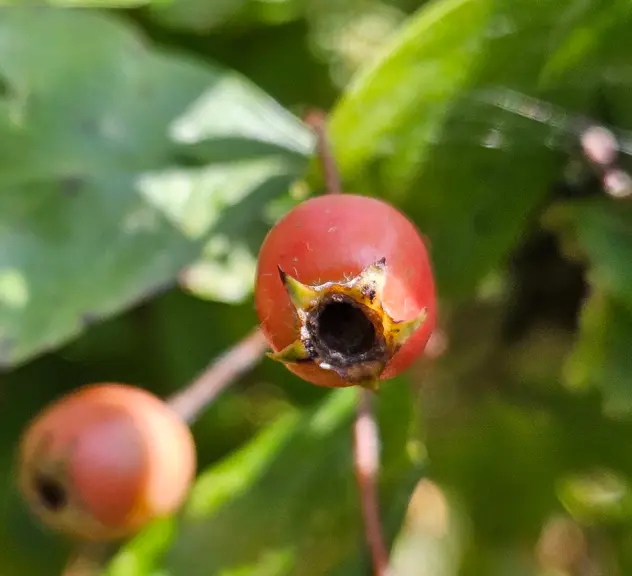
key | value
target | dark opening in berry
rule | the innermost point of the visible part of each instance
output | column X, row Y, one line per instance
column 344, row 328
column 51, row 493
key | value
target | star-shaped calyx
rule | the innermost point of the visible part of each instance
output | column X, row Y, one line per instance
column 343, row 326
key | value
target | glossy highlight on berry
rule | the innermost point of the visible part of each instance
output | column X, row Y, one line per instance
column 105, row 460
column 345, row 291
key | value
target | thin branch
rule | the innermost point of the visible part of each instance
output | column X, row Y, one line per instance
column 237, row 360
column 366, row 433
column 367, row 465
column 317, row 120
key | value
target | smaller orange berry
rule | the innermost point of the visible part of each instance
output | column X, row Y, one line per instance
column 105, row 460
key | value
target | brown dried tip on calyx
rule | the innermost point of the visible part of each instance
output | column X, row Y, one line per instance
column 344, row 327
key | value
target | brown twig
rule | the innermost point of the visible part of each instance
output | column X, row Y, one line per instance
column 366, row 434
column 190, row 401
column 367, row 465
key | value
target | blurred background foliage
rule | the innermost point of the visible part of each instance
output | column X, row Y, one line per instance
column 145, row 150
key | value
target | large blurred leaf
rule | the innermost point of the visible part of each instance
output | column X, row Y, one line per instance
column 96, row 208
column 421, row 127
column 287, row 503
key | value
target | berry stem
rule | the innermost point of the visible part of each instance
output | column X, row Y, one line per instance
column 317, row 120
column 243, row 356
column 367, row 465
column 366, row 432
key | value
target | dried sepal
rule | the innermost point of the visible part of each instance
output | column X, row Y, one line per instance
column 295, row 352
column 302, row 296
column 402, row 331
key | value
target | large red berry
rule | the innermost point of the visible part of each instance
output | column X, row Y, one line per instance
column 104, row 460
column 345, row 291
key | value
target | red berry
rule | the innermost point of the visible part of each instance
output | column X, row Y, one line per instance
column 344, row 291
column 101, row 462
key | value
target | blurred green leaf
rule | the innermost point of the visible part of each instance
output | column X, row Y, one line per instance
column 434, row 536
column 601, row 232
column 601, row 355
column 425, row 127
column 348, row 34
column 144, row 553
column 287, row 502
column 97, row 209
column 276, row 11
column 196, row 15
column 102, row 4
column 599, row 496
column 204, row 16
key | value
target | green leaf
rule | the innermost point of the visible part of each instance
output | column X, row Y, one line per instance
column 120, row 166
column 425, row 127
column 288, row 502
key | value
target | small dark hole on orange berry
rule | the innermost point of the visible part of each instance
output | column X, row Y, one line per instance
column 345, row 329
column 51, row 493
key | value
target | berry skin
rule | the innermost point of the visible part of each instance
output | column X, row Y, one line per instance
column 103, row 461
column 344, row 291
